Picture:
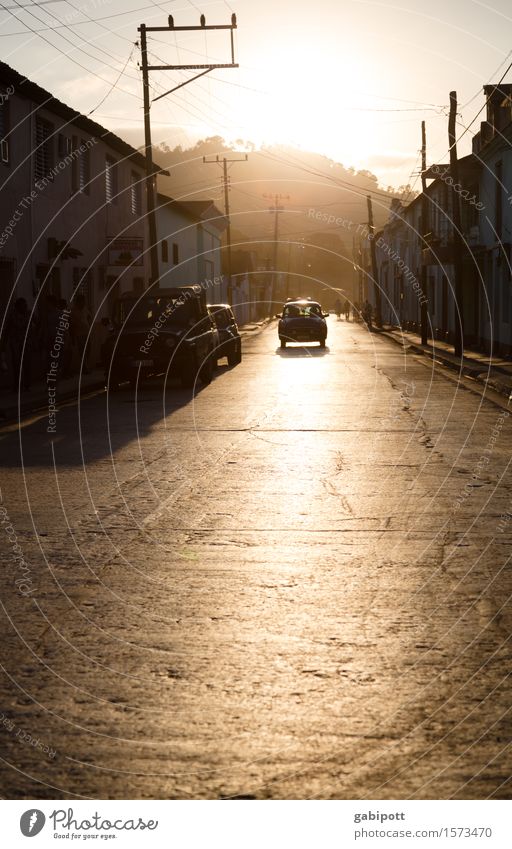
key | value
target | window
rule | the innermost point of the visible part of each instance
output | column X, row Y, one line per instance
column 165, row 250
column 135, row 194
column 302, row 310
column 432, row 294
column 84, row 168
column 81, row 166
column 43, row 154
column 498, row 170
column 504, row 283
column 63, row 145
column 4, row 131
column 110, row 180
column 175, row 254
column 145, row 311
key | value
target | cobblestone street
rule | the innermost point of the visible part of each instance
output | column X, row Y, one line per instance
column 295, row 584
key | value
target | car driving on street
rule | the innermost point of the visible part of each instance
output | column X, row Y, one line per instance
column 163, row 330
column 302, row 320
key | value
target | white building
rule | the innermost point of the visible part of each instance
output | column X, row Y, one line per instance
column 189, row 237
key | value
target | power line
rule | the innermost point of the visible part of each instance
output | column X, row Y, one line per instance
column 477, row 114
column 336, row 181
column 75, row 61
column 61, row 26
column 114, row 84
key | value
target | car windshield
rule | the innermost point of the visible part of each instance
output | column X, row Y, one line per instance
column 222, row 317
column 302, row 311
column 146, row 311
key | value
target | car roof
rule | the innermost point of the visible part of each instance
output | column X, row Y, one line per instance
column 302, row 302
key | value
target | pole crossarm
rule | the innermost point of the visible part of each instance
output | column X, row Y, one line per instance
column 191, row 67
column 190, row 29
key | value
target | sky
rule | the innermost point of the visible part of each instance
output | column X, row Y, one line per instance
column 351, row 79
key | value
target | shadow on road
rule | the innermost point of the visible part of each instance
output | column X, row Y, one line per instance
column 96, row 427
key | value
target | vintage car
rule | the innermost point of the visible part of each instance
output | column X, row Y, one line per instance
column 230, row 342
column 162, row 331
column 302, row 320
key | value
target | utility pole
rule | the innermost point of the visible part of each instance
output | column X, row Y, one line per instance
column 150, row 177
column 424, row 233
column 145, row 68
column 276, row 210
column 289, row 270
column 225, row 183
column 457, row 238
column 356, row 261
column 373, row 253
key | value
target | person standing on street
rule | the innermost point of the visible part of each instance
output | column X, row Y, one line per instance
column 19, row 340
column 80, row 324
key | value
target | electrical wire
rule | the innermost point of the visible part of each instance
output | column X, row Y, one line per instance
column 114, row 84
column 63, row 26
column 79, row 64
column 75, row 61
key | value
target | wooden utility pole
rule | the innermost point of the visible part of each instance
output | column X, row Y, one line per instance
column 276, row 210
column 145, row 68
column 457, row 236
column 150, row 177
column 424, row 233
column 373, row 254
column 225, row 183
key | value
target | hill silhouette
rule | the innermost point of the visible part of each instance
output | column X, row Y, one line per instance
column 323, row 202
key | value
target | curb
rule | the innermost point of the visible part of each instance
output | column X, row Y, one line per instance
column 9, row 415
column 466, row 368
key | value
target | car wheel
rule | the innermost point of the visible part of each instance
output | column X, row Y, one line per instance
column 322, row 343
column 188, row 374
column 235, row 355
column 283, row 343
column 206, row 373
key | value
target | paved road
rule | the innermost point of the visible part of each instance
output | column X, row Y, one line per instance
column 294, row 585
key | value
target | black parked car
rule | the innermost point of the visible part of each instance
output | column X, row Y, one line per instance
column 230, row 342
column 160, row 330
column 302, row 321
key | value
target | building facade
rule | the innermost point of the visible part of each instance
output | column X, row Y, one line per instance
column 73, row 211
column 189, row 243
column 486, row 231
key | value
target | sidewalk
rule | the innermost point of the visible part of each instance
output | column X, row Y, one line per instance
column 36, row 398
column 494, row 372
